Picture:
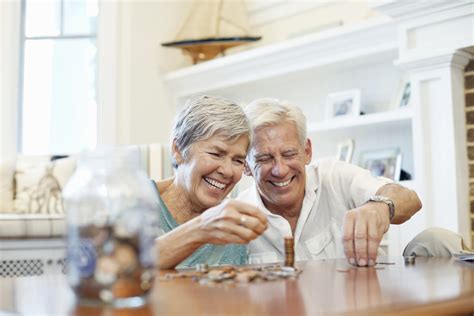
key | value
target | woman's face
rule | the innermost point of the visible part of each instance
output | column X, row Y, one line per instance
column 211, row 170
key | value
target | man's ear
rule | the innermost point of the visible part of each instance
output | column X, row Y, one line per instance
column 247, row 170
column 308, row 151
column 178, row 157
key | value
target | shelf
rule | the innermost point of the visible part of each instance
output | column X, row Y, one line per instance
column 335, row 49
column 385, row 119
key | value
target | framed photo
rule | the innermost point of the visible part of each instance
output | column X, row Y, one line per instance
column 403, row 95
column 383, row 163
column 345, row 150
column 343, row 104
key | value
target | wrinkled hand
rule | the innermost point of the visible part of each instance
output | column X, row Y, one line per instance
column 363, row 229
column 232, row 222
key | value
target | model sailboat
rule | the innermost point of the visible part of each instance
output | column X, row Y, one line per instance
column 212, row 27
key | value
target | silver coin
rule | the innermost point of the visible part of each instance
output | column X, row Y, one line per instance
column 202, row 267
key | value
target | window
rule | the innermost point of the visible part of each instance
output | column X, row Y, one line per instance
column 58, row 107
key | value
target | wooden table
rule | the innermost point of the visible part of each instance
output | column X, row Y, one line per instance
column 431, row 286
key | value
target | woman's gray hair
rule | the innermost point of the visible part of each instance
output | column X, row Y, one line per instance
column 204, row 116
column 268, row 111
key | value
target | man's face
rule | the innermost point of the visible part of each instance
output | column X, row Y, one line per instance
column 277, row 163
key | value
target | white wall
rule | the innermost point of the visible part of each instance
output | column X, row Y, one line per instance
column 144, row 113
column 9, row 55
column 144, row 109
column 278, row 20
column 318, row 15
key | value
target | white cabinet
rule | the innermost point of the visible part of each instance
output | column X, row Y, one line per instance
column 364, row 56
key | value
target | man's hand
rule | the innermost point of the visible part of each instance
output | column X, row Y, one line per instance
column 363, row 229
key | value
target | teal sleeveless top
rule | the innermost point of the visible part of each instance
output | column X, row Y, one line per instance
column 234, row 254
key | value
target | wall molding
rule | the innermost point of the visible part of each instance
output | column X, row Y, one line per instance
column 404, row 9
column 457, row 59
column 107, row 73
column 261, row 13
column 427, row 27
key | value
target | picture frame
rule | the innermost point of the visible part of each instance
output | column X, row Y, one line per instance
column 404, row 95
column 383, row 162
column 345, row 149
column 343, row 104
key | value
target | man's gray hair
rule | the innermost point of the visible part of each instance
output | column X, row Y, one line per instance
column 268, row 111
column 204, row 116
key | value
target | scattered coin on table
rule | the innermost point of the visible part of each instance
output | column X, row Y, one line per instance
column 234, row 275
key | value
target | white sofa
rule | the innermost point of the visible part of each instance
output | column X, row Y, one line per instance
column 32, row 220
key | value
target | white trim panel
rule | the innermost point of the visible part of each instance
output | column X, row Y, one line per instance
column 265, row 12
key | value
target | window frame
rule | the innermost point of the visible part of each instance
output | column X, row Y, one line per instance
column 21, row 66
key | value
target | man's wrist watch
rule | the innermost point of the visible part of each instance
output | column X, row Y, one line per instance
column 386, row 200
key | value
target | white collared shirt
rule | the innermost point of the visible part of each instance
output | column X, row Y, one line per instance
column 332, row 188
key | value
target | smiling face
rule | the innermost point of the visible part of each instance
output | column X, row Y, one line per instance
column 277, row 163
column 210, row 170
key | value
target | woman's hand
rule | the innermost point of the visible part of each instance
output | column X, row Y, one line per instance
column 231, row 221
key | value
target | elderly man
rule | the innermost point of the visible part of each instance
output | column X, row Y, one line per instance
column 331, row 208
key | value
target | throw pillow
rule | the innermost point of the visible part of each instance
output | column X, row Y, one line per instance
column 38, row 184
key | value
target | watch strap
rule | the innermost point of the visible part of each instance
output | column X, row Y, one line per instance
column 386, row 200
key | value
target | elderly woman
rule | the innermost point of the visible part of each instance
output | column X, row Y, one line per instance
column 210, row 140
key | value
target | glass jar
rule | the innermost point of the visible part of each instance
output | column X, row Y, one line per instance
column 112, row 217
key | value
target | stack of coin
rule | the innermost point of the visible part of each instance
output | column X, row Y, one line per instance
column 410, row 260
column 289, row 252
